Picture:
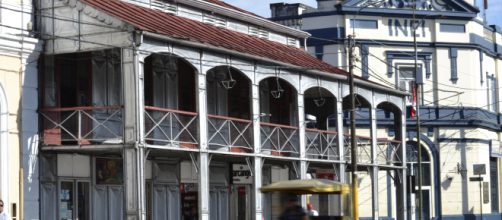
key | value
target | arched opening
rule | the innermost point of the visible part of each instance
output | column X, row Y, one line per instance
column 389, row 130
column 320, row 118
column 321, row 138
column 363, row 129
column 427, row 180
column 229, row 110
column 388, row 152
column 278, row 103
column 170, row 101
column 279, row 117
column 363, row 147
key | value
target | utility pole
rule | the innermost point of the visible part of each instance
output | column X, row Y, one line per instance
column 417, row 114
column 353, row 147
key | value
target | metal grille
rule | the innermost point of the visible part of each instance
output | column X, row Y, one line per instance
column 279, row 140
column 321, row 144
column 230, row 134
column 82, row 125
column 171, row 127
column 388, row 152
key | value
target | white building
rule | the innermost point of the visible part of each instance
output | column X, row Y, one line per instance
column 19, row 51
column 165, row 109
column 459, row 60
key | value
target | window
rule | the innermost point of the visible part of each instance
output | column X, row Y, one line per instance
column 492, row 92
column 364, row 24
column 494, row 184
column 452, row 28
column 406, row 80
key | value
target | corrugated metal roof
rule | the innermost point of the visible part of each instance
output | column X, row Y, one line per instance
column 156, row 21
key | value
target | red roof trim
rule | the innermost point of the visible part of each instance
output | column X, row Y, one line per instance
column 156, row 21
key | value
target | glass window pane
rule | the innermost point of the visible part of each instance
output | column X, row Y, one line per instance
column 452, row 28
column 364, row 24
column 66, row 200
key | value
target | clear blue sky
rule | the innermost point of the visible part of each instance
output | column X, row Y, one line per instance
column 262, row 7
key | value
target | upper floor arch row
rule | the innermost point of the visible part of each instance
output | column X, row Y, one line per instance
column 205, row 61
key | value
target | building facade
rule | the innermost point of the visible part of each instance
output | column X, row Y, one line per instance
column 175, row 109
column 458, row 58
column 19, row 51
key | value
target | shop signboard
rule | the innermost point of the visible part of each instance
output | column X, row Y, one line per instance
column 241, row 174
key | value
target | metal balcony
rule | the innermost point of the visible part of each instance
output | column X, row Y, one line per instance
column 388, row 151
column 82, row 125
column 230, row 134
column 279, row 140
column 321, row 144
column 363, row 149
column 169, row 127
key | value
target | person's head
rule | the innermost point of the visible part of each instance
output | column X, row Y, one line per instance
column 1, row 206
column 292, row 200
column 310, row 206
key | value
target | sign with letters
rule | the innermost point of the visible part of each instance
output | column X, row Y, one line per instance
column 404, row 27
column 241, row 174
column 479, row 169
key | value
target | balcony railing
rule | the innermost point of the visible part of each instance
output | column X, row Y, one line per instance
column 82, row 125
column 321, row 144
column 279, row 140
column 171, row 127
column 363, row 149
column 230, row 134
column 388, row 151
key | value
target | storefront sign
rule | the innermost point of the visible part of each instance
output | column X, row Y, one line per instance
column 241, row 174
column 479, row 169
column 404, row 27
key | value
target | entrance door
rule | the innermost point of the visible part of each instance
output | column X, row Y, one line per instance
column 108, row 202
column 426, row 203
column 166, row 202
column 74, row 200
column 240, row 206
column 218, row 196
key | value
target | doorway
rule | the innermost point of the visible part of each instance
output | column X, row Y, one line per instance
column 426, row 189
column 74, row 199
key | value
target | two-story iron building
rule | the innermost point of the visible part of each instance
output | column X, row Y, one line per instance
column 459, row 62
column 175, row 109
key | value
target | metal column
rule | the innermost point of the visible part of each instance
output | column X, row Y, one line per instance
column 130, row 152
column 301, row 133
column 402, row 209
column 341, row 145
column 341, row 139
column 141, row 131
column 374, row 169
column 257, row 161
column 203, row 158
